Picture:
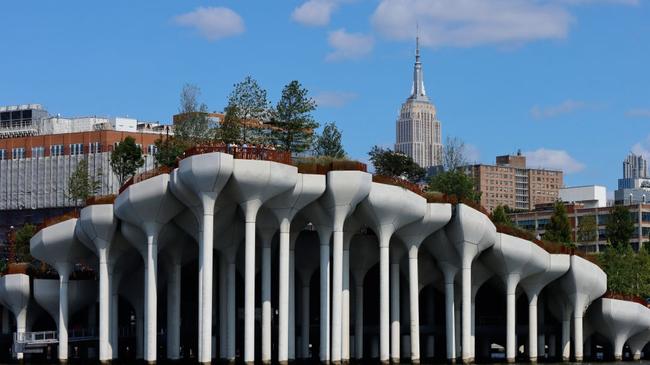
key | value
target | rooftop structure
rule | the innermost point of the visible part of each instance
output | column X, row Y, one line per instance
column 591, row 196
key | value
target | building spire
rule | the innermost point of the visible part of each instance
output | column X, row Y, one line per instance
column 418, row 92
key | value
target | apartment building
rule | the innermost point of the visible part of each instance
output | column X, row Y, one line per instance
column 509, row 182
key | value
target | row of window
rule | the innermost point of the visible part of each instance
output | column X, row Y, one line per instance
column 58, row 150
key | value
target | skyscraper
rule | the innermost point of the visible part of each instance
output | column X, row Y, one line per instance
column 417, row 128
column 635, row 166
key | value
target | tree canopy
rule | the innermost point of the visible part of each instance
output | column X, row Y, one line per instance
column 620, row 227
column 251, row 106
column 559, row 228
column 292, row 119
column 194, row 126
column 500, row 216
column 329, row 142
column 126, row 159
column 81, row 184
column 394, row 164
column 455, row 183
column 587, row 229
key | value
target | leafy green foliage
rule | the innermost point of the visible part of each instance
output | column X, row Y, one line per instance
column 587, row 229
column 126, row 159
column 394, row 164
column 627, row 272
column 455, row 183
column 231, row 127
column 293, row 120
column 500, row 216
column 559, row 228
column 168, row 150
column 195, row 127
column 619, row 228
column 81, row 185
column 251, row 107
column 20, row 242
column 329, row 142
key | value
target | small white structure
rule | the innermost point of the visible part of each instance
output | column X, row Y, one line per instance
column 592, row 196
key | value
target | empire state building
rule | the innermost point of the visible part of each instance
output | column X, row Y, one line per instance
column 418, row 129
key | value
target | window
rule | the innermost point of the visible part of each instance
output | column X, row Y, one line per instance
column 56, row 150
column 2, row 154
column 94, row 147
column 152, row 149
column 38, row 151
column 18, row 153
column 77, row 149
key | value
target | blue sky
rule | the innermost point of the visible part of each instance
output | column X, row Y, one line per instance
column 565, row 81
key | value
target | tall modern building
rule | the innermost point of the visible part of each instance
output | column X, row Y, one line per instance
column 635, row 167
column 635, row 185
column 418, row 129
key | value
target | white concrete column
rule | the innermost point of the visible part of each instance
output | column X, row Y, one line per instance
column 283, row 291
column 223, row 315
column 151, row 299
column 450, row 320
column 324, row 299
column 292, row 305
column 511, row 336
column 64, row 275
column 304, row 331
column 394, row 311
column 566, row 338
column 174, row 312
column 358, row 321
column 266, row 303
column 206, row 273
column 345, row 322
column 249, row 294
column 232, row 311
column 384, row 302
column 414, row 304
column 21, row 327
column 105, row 353
column 473, row 325
column 532, row 327
column 466, row 308
column 577, row 336
column 337, row 300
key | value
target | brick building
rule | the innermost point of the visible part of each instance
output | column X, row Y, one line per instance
column 509, row 182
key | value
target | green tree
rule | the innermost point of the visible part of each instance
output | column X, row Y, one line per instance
column 81, row 184
column 20, row 240
column 195, row 126
column 455, row 183
column 126, row 159
column 252, row 107
column 620, row 227
column 500, row 216
column 587, row 229
column 230, row 130
column 559, row 228
column 168, row 150
column 329, row 142
column 292, row 119
column 390, row 163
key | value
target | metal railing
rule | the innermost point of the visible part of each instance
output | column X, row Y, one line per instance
column 35, row 338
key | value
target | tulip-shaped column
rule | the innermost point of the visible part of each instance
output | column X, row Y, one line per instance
column 638, row 342
column 266, row 226
column 131, row 287
column 285, row 206
column 387, row 209
column 14, row 294
column 200, row 181
column 554, row 267
column 345, row 189
column 148, row 205
column 470, row 232
column 307, row 263
column 514, row 259
column 435, row 217
column 363, row 256
column 584, row 282
column 252, row 184
column 58, row 246
column 618, row 320
column 96, row 228
column 351, row 228
column 449, row 262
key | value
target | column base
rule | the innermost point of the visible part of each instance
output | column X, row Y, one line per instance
column 510, row 360
column 578, row 359
column 384, row 362
column 618, row 357
column 468, row 360
column 283, row 362
column 636, row 357
column 336, row 362
column 415, row 361
column 565, row 359
column 395, row 360
column 63, row 361
column 533, row 359
column 150, row 362
column 451, row 361
column 105, row 362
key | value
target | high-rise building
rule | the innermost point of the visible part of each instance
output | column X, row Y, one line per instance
column 511, row 183
column 418, row 129
column 635, row 184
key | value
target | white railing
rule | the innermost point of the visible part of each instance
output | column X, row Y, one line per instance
column 36, row 337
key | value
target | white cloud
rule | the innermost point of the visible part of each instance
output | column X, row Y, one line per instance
column 642, row 148
column 638, row 113
column 213, row 23
column 552, row 111
column 334, row 99
column 553, row 159
column 314, row 12
column 348, row 45
column 466, row 23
